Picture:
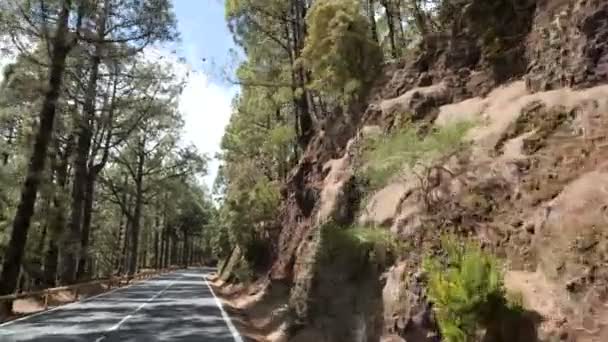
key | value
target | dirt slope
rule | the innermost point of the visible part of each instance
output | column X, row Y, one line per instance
column 532, row 188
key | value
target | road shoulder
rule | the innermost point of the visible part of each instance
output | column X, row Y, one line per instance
column 258, row 310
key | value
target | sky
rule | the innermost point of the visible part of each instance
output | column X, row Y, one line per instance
column 206, row 101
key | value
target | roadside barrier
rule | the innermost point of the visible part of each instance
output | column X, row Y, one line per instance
column 111, row 282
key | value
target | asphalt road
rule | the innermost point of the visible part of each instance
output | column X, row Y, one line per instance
column 173, row 307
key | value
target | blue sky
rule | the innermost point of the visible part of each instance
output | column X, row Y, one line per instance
column 206, row 100
column 203, row 30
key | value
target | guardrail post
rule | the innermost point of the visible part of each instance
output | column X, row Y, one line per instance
column 76, row 294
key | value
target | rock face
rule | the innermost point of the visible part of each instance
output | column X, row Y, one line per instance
column 406, row 312
column 304, row 188
column 569, row 45
column 531, row 187
column 572, row 248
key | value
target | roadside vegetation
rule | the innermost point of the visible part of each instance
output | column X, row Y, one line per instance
column 466, row 288
column 95, row 178
column 342, row 57
column 386, row 157
column 303, row 62
column 357, row 241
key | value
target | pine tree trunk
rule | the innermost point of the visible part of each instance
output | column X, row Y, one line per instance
column 166, row 260
column 171, row 250
column 78, row 240
column 39, row 280
column 21, row 223
column 137, row 211
column 299, row 77
column 51, row 259
column 143, row 261
column 124, row 229
column 192, row 252
column 420, row 18
column 163, row 235
column 156, row 250
column 71, row 248
column 399, row 23
column 124, row 255
column 119, row 236
column 83, row 272
column 174, row 250
column 371, row 14
column 162, row 249
column 58, row 218
column 20, row 281
column 390, row 20
column 73, row 242
column 185, row 250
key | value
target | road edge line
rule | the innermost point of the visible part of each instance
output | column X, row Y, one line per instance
column 36, row 314
column 235, row 333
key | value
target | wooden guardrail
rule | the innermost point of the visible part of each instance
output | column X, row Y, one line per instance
column 75, row 288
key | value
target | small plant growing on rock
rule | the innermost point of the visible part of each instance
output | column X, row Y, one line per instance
column 370, row 236
column 465, row 285
column 385, row 157
column 361, row 243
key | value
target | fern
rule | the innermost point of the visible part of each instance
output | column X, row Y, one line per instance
column 466, row 288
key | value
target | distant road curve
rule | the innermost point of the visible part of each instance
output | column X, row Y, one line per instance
column 179, row 306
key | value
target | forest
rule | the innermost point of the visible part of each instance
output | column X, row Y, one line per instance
column 96, row 179
column 392, row 170
column 306, row 63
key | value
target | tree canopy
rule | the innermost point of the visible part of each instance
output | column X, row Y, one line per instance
column 305, row 62
column 105, row 183
column 91, row 130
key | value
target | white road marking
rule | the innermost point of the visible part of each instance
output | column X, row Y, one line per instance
column 235, row 334
column 124, row 319
column 129, row 316
column 70, row 304
column 115, row 327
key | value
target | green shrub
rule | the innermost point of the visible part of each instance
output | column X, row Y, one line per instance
column 357, row 243
column 370, row 236
column 466, row 288
column 342, row 57
column 384, row 157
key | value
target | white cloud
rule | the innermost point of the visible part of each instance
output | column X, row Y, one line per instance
column 205, row 106
column 206, row 109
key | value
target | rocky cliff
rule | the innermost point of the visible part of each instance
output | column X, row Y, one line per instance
column 531, row 187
